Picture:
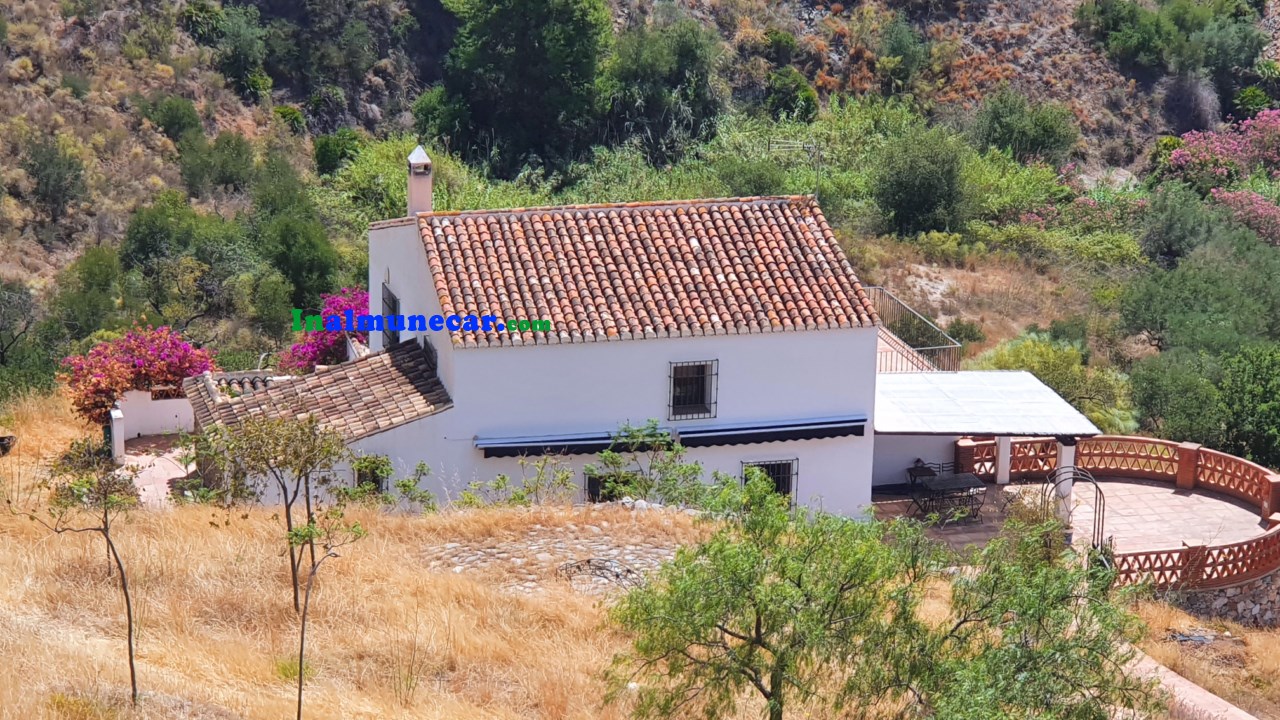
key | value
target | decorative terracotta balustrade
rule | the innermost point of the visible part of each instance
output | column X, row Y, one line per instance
column 1188, row 465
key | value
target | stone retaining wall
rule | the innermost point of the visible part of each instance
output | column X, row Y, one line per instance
column 1253, row 603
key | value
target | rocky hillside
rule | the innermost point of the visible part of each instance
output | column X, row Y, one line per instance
column 82, row 81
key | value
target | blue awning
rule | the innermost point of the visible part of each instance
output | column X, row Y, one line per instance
column 773, row 431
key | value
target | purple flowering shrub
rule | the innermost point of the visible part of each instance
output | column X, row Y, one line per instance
column 1253, row 211
column 143, row 359
column 1209, row 160
column 1087, row 214
column 327, row 347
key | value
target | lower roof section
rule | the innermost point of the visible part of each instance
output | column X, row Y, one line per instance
column 974, row 402
column 691, row 437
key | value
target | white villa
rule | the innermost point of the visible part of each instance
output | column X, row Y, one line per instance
column 738, row 324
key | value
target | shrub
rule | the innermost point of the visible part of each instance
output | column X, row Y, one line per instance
column 751, row 177
column 144, row 358
column 902, row 53
column 203, row 20
column 1252, row 100
column 57, row 174
column 918, row 182
column 781, row 46
column 789, row 95
column 77, row 84
column 658, row 86
column 175, row 116
column 226, row 163
column 292, row 118
column 331, row 151
column 242, row 48
column 1253, row 211
column 966, row 331
column 1007, row 120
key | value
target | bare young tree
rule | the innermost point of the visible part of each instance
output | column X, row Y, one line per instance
column 86, row 493
column 290, row 458
column 331, row 531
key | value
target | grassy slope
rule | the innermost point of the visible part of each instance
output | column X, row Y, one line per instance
column 215, row 619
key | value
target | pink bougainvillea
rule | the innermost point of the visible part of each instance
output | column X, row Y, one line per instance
column 143, row 359
column 1253, row 211
column 326, row 347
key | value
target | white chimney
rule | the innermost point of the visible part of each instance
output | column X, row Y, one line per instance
column 420, row 181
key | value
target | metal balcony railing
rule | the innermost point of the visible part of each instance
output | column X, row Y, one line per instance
column 921, row 346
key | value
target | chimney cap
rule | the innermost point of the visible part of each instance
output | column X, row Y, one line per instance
column 419, row 163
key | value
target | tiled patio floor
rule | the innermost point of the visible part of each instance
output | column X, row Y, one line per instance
column 1140, row 515
column 155, row 460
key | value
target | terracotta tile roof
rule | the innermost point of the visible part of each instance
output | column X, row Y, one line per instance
column 356, row 399
column 644, row 270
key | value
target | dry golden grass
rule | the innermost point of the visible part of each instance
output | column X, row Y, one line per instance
column 217, row 632
column 1245, row 673
column 387, row 639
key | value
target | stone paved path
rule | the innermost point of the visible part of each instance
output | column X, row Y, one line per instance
column 524, row 563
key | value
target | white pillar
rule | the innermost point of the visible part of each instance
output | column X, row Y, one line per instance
column 117, row 435
column 1066, row 460
column 1004, row 450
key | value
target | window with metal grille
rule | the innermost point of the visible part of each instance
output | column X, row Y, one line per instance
column 783, row 473
column 693, row 390
column 390, row 308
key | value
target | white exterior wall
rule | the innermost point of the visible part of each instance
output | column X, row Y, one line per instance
column 397, row 252
column 144, row 416
column 896, row 453
column 550, row 390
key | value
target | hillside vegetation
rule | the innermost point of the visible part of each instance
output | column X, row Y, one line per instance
column 1011, row 168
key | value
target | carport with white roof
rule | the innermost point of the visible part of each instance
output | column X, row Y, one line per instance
column 922, row 414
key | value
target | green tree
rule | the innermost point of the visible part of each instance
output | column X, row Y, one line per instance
column 227, row 163
column 809, row 613
column 1177, row 398
column 660, row 86
column 93, row 294
column 902, row 54
column 1178, row 222
column 770, row 606
column 1102, row 394
column 1008, row 121
column 175, row 116
column 289, row 232
column 300, row 249
column 58, row 177
column 242, row 48
column 1221, row 297
column 918, row 182
column 1250, row 400
column 525, row 72
column 331, row 151
column 789, row 95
